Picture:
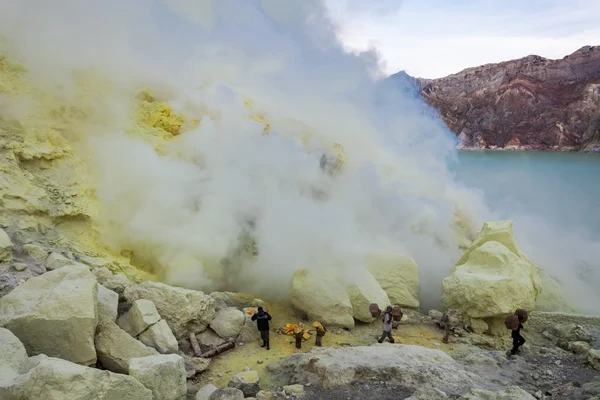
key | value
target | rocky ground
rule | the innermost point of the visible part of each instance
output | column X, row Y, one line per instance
column 71, row 329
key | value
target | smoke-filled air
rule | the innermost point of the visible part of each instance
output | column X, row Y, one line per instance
column 224, row 145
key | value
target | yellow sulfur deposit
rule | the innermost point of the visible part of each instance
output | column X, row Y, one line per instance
column 160, row 115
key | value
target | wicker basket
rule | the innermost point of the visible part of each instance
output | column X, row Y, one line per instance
column 522, row 314
column 512, row 322
column 397, row 313
column 374, row 310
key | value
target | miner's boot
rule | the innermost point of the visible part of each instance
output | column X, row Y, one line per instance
column 268, row 347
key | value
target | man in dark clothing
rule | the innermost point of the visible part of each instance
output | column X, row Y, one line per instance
column 518, row 340
column 387, row 325
column 262, row 319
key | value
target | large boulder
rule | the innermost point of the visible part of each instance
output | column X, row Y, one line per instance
column 362, row 292
column 398, row 275
column 164, row 375
column 160, row 337
column 55, row 314
column 46, row 378
column 56, row 260
column 323, row 297
column 184, row 310
column 140, row 316
column 12, row 356
column 509, row 393
column 206, row 392
column 493, row 278
column 6, row 247
column 228, row 323
column 403, row 365
column 247, row 381
column 116, row 347
column 108, row 304
column 249, row 332
column 208, row 340
column 227, row 393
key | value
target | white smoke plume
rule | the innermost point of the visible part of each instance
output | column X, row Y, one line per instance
column 185, row 211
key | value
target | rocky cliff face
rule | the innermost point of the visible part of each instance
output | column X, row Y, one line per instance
column 531, row 103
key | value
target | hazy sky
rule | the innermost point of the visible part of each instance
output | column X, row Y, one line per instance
column 434, row 38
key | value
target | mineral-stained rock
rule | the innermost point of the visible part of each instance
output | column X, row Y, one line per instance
column 108, row 302
column 594, row 359
column 247, row 381
column 195, row 365
column 102, row 275
column 362, row 292
column 56, row 260
column 55, row 314
column 579, row 347
column 6, row 246
column 116, row 347
column 164, row 375
column 228, row 323
column 35, row 251
column 510, row 393
column 294, row 390
column 493, row 278
column 228, row 393
column 322, row 297
column 12, row 356
column 529, row 103
column 206, row 392
column 398, row 275
column 47, row 378
column 160, row 337
column 184, row 310
column 404, row 365
column 140, row 316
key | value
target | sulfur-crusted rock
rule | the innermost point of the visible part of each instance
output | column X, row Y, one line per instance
column 478, row 326
column 140, row 316
column 493, row 278
column 322, row 297
column 12, row 356
column 509, row 393
column 398, row 275
column 228, row 323
column 164, row 375
column 35, row 251
column 56, row 260
column 108, row 303
column 235, row 300
column 228, row 393
column 116, row 347
column 579, row 347
column 6, row 246
column 55, row 314
column 247, row 381
column 206, row 392
column 184, row 310
column 594, row 359
column 362, row 292
column 294, row 390
column 160, row 337
column 46, row 378
column 103, row 275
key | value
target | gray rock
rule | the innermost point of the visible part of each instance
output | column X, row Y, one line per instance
column 160, row 337
column 118, row 283
column 436, row 315
column 56, row 260
column 592, row 388
column 102, row 275
column 227, row 394
column 228, row 323
column 55, row 314
column 594, row 359
column 579, row 347
column 163, row 374
column 208, row 340
column 12, row 355
column 38, row 253
column 294, row 390
column 206, row 392
column 108, row 302
column 247, row 381
column 509, row 393
column 426, row 393
column 140, row 316
column 116, row 347
column 184, row 310
column 195, row 365
column 47, row 378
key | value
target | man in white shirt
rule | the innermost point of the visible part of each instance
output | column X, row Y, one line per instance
column 387, row 325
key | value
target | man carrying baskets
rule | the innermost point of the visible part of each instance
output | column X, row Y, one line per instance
column 515, row 324
column 387, row 325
